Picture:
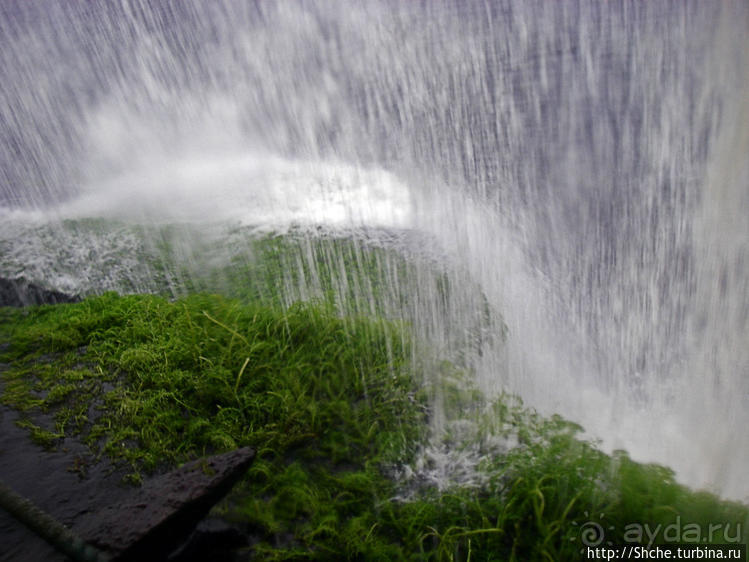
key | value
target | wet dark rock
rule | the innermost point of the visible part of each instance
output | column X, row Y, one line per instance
column 69, row 484
column 45, row 478
column 158, row 517
column 20, row 292
column 213, row 539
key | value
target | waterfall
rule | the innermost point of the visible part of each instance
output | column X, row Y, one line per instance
column 576, row 169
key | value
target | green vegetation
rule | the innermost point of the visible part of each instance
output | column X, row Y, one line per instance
column 337, row 411
column 204, row 373
column 360, row 276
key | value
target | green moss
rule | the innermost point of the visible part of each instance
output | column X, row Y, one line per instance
column 334, row 407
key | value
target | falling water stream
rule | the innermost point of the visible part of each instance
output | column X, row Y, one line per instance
column 578, row 169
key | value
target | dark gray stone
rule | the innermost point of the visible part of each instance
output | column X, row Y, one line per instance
column 157, row 518
column 20, row 292
column 50, row 480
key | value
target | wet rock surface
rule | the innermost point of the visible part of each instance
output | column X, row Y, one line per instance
column 155, row 519
column 20, row 292
column 49, row 479
column 126, row 522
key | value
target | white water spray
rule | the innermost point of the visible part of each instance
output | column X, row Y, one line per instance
column 580, row 167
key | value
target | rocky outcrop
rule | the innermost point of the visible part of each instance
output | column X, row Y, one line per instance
column 95, row 505
column 158, row 517
column 20, row 292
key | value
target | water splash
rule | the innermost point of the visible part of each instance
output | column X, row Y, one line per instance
column 578, row 167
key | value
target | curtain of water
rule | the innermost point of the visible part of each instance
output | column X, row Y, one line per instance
column 578, row 167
